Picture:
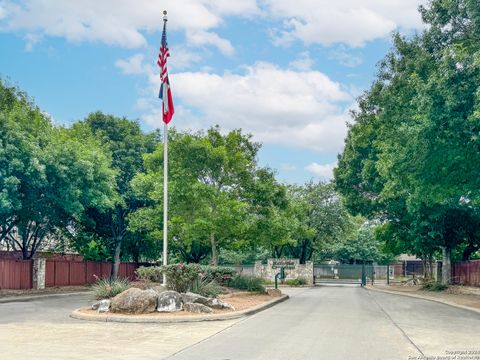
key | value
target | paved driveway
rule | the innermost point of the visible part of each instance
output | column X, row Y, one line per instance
column 320, row 323
column 42, row 329
column 344, row 323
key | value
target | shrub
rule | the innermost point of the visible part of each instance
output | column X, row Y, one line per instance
column 221, row 275
column 150, row 273
column 267, row 281
column 180, row 277
column 296, row 282
column 249, row 283
column 434, row 286
column 108, row 288
column 206, row 288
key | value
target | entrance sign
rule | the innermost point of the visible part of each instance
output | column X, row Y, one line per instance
column 293, row 269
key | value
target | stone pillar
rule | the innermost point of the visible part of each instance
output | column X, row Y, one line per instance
column 38, row 276
column 309, row 271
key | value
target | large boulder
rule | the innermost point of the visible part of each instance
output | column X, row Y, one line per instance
column 159, row 289
column 197, row 308
column 169, row 301
column 102, row 305
column 218, row 304
column 274, row 292
column 190, row 297
column 135, row 301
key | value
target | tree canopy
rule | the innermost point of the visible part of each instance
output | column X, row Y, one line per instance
column 411, row 155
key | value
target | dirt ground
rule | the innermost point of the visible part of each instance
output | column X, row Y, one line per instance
column 461, row 295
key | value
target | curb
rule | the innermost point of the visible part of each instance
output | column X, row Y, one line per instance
column 445, row 302
column 77, row 314
column 36, row 297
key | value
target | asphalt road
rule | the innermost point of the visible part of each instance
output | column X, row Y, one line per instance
column 344, row 323
column 54, row 309
column 318, row 323
column 41, row 329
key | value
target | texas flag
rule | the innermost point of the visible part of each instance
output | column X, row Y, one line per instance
column 165, row 92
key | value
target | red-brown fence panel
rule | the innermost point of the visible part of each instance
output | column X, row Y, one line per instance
column 127, row 270
column 65, row 273
column 16, row 274
column 49, row 273
column 106, row 270
column 94, row 269
column 78, row 273
column 62, row 273
column 467, row 273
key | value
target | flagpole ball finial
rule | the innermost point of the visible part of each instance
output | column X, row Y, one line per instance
column 165, row 15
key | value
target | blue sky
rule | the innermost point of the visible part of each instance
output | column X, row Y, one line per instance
column 286, row 72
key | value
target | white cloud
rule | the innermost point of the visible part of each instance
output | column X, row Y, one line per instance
column 199, row 38
column 350, row 22
column 117, row 22
column 344, row 57
column 31, row 40
column 323, row 171
column 303, row 62
column 3, row 11
column 183, row 58
column 132, row 66
column 303, row 109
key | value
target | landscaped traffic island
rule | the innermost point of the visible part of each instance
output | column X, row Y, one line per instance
column 194, row 294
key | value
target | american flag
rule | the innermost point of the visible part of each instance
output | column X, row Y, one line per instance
column 165, row 92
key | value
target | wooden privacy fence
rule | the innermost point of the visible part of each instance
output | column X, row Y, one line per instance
column 67, row 273
column 16, row 274
column 467, row 273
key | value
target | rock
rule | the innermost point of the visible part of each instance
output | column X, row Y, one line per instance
column 135, row 301
column 169, row 301
column 102, row 305
column 274, row 292
column 190, row 297
column 159, row 289
column 218, row 304
column 197, row 308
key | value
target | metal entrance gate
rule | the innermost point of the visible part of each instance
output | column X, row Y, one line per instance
column 342, row 274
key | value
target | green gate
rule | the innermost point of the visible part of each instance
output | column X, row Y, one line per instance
column 342, row 274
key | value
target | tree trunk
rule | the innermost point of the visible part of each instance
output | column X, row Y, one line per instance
column 430, row 266
column 213, row 242
column 446, row 265
column 25, row 253
column 277, row 251
column 116, row 258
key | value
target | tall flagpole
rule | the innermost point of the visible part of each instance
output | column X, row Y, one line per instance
column 165, row 185
column 165, row 198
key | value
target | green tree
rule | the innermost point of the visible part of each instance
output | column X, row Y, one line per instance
column 127, row 144
column 210, row 176
column 321, row 219
column 48, row 178
column 409, row 158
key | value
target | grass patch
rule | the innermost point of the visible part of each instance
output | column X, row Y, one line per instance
column 434, row 286
column 248, row 283
column 296, row 282
column 206, row 288
column 108, row 288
